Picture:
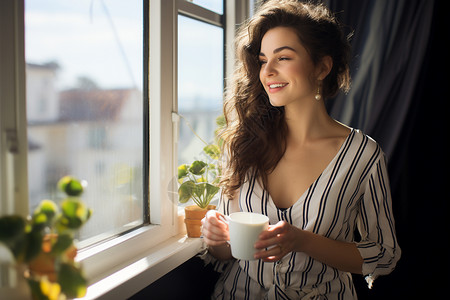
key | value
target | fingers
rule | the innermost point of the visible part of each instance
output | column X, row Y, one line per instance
column 215, row 218
column 279, row 228
column 275, row 243
column 215, row 230
column 273, row 236
column 272, row 254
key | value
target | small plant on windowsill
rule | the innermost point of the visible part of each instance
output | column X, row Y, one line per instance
column 199, row 182
column 43, row 244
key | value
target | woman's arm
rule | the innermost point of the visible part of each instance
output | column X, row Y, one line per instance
column 222, row 252
column 341, row 255
column 283, row 238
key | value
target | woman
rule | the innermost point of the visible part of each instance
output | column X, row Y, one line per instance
column 317, row 179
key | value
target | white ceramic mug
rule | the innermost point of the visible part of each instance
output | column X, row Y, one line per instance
column 245, row 228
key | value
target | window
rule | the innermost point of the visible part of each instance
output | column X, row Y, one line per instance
column 200, row 84
column 84, row 72
column 213, row 5
column 200, row 65
column 92, row 89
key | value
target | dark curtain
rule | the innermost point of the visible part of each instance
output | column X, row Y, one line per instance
column 397, row 97
column 389, row 45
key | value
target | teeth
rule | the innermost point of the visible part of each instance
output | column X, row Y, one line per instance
column 277, row 85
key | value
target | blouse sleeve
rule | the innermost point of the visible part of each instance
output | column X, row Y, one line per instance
column 378, row 246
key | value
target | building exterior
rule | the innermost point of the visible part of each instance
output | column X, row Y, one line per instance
column 102, row 131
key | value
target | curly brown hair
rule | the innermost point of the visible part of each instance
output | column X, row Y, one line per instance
column 255, row 131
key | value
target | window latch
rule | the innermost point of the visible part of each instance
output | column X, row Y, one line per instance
column 12, row 142
column 176, row 124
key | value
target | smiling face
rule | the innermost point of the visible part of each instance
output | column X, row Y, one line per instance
column 287, row 71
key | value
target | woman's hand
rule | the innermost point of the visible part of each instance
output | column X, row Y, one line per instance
column 214, row 229
column 283, row 238
column 279, row 240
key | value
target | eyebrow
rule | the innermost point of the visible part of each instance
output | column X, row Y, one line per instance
column 279, row 50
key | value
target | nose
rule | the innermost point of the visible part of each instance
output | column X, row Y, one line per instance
column 268, row 69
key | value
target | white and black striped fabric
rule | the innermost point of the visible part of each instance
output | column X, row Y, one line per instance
column 351, row 193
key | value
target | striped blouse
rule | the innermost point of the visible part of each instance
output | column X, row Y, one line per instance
column 351, row 193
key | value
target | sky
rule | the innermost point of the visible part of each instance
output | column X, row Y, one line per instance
column 200, row 63
column 102, row 40
column 78, row 36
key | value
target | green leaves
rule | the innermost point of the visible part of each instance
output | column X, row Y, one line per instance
column 202, row 192
column 73, row 215
column 12, row 234
column 46, row 239
column 183, row 171
column 63, row 242
column 186, row 191
column 71, row 186
column 198, row 181
column 33, row 244
column 72, row 282
column 198, row 167
column 213, row 151
column 23, row 240
column 208, row 190
column 12, row 228
column 45, row 213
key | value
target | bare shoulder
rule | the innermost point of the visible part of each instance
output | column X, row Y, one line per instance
column 341, row 130
column 337, row 134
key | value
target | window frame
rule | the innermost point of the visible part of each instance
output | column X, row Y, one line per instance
column 160, row 245
column 13, row 139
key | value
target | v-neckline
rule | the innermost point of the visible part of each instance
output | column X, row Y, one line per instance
column 326, row 170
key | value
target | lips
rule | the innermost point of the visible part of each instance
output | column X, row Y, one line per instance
column 276, row 86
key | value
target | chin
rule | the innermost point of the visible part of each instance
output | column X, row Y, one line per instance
column 276, row 103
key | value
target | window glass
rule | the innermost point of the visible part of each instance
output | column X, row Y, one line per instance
column 200, row 85
column 84, row 69
column 213, row 5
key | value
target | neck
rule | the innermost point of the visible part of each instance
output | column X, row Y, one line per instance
column 306, row 121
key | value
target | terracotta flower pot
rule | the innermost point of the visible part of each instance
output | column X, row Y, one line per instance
column 193, row 218
column 44, row 263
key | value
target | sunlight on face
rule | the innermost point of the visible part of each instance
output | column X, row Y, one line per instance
column 287, row 71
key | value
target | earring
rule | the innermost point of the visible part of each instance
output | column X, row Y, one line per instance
column 318, row 96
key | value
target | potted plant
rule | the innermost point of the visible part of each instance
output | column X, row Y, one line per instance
column 199, row 182
column 43, row 243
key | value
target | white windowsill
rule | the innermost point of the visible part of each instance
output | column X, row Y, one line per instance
column 160, row 260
